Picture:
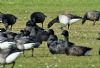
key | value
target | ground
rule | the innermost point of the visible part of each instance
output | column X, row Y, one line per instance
column 84, row 35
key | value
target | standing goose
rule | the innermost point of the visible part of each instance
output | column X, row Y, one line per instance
column 26, row 43
column 8, row 56
column 65, row 19
column 92, row 16
column 38, row 17
column 75, row 50
column 7, row 19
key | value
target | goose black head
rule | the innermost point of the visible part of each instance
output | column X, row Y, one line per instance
column 51, row 31
column 26, row 33
column 31, row 23
column 53, row 37
column 2, row 30
column 65, row 33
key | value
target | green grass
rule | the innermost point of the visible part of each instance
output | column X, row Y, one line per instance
column 80, row 34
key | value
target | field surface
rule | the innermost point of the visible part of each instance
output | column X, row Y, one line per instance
column 84, row 35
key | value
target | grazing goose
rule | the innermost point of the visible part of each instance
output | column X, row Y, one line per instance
column 65, row 19
column 7, row 19
column 92, row 16
column 31, row 23
column 38, row 17
column 8, row 56
column 73, row 49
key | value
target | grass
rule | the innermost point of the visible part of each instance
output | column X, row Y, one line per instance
column 80, row 34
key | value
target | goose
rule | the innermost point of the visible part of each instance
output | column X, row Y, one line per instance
column 92, row 16
column 3, row 37
column 65, row 19
column 31, row 23
column 58, row 46
column 38, row 17
column 6, row 45
column 73, row 49
column 26, row 43
column 11, row 36
column 44, row 35
column 9, row 56
column 8, row 20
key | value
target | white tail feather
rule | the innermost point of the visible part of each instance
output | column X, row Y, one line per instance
column 12, row 57
column 73, row 21
column 29, row 45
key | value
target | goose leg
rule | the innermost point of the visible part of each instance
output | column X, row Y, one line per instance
column 83, row 21
column 11, row 27
column 6, row 26
column 3, row 66
column 94, row 22
column 68, row 25
column 32, row 51
column 23, row 53
column 13, row 64
column 42, row 24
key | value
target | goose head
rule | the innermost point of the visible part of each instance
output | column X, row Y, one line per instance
column 31, row 23
column 65, row 33
column 51, row 31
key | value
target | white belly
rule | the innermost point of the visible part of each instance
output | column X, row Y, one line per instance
column 12, row 57
column 73, row 21
column 29, row 45
column 63, row 19
column 6, row 45
column 88, row 52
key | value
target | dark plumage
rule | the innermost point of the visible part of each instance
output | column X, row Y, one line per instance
column 38, row 17
column 99, row 51
column 74, row 50
column 2, row 30
column 57, row 46
column 44, row 35
column 8, row 20
column 92, row 16
column 9, row 56
column 27, row 43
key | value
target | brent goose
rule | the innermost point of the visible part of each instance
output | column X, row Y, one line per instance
column 26, row 43
column 65, row 19
column 8, row 56
column 38, row 17
column 92, row 16
column 7, row 19
column 73, row 49
column 44, row 35
column 58, row 46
